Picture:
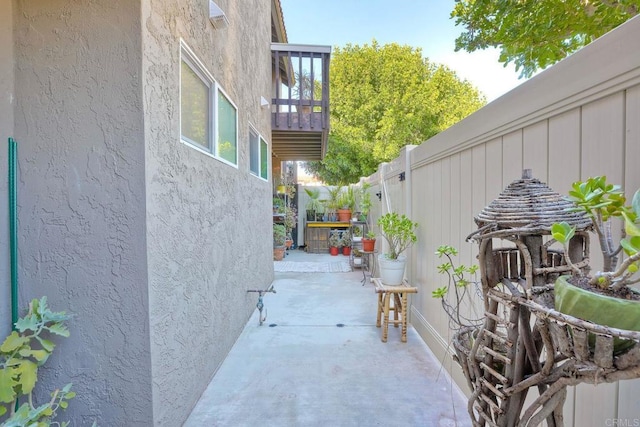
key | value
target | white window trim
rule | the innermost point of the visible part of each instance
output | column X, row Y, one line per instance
column 217, row 142
column 188, row 55
column 260, row 138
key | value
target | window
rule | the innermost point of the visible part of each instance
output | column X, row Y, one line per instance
column 258, row 151
column 254, row 152
column 227, row 130
column 195, row 106
column 208, row 118
column 264, row 160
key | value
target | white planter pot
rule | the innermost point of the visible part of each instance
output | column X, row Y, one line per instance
column 357, row 261
column 357, row 238
column 391, row 271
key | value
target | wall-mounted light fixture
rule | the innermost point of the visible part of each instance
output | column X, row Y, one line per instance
column 217, row 17
column 264, row 103
column 379, row 194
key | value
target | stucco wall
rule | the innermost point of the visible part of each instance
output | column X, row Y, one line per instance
column 578, row 119
column 79, row 123
column 6, row 130
column 209, row 224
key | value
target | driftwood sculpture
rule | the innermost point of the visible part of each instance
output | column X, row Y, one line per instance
column 513, row 352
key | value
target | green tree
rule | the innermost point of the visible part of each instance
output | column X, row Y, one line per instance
column 534, row 34
column 383, row 98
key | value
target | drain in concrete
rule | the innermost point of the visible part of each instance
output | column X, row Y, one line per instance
column 273, row 325
column 340, row 325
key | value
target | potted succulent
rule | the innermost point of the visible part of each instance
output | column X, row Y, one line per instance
column 314, row 206
column 398, row 231
column 605, row 298
column 369, row 242
column 334, row 242
column 357, row 233
column 357, row 257
column 345, row 241
column 279, row 237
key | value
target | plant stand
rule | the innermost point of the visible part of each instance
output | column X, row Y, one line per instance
column 524, row 342
column 399, row 307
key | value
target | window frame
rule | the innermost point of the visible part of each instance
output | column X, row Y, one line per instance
column 217, row 155
column 261, row 174
column 212, row 148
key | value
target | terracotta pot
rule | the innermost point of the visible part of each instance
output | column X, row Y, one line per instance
column 368, row 245
column 346, row 250
column 344, row 215
column 288, row 243
column 278, row 253
column 333, row 251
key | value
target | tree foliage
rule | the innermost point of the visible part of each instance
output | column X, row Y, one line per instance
column 383, row 98
column 534, row 34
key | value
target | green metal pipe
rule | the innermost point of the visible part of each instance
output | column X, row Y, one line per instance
column 13, row 230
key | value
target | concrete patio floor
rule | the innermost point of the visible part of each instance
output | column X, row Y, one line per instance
column 300, row 369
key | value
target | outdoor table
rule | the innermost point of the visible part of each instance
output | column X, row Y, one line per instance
column 399, row 307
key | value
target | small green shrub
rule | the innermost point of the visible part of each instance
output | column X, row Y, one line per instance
column 21, row 354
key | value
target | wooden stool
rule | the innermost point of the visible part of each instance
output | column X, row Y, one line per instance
column 399, row 308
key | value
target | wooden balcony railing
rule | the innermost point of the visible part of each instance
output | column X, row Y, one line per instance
column 300, row 105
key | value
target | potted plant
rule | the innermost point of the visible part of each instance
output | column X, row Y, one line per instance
column 314, row 206
column 345, row 241
column 357, row 257
column 278, row 205
column 279, row 237
column 604, row 298
column 290, row 221
column 346, row 204
column 369, row 242
column 398, row 231
column 334, row 242
column 333, row 202
column 357, row 233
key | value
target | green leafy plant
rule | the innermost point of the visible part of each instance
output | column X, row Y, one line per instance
column 313, row 204
column 399, row 233
column 290, row 219
column 335, row 241
column 603, row 202
column 346, row 239
column 278, row 204
column 279, row 235
column 334, row 196
column 364, row 199
column 460, row 279
column 21, row 354
column 371, row 235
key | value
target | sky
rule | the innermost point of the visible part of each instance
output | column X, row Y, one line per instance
column 424, row 24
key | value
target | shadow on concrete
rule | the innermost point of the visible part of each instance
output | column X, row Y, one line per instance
column 318, row 361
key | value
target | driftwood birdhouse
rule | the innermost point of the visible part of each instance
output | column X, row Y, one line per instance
column 515, row 238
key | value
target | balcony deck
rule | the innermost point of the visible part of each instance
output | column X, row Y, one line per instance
column 300, row 106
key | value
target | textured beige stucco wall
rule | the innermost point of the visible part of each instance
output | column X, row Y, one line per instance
column 209, row 224
column 79, row 123
column 6, row 130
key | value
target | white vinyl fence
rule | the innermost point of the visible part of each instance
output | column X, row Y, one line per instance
column 580, row 118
